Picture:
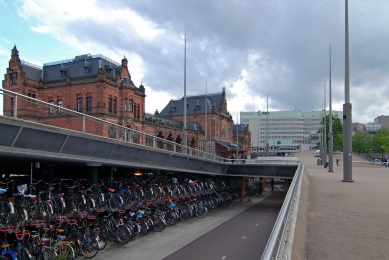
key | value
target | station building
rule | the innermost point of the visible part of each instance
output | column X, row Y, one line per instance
column 103, row 88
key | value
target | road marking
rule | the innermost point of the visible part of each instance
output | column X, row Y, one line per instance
column 256, row 224
column 244, row 237
column 224, row 257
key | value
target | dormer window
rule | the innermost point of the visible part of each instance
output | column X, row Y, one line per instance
column 108, row 69
column 87, row 66
column 64, row 71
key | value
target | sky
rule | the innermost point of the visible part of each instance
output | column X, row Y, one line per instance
column 264, row 53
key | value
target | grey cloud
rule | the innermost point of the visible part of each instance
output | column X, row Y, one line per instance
column 291, row 38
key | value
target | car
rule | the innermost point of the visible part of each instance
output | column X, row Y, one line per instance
column 317, row 153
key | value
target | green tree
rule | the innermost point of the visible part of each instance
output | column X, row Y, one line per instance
column 362, row 141
column 337, row 131
column 380, row 141
column 338, row 142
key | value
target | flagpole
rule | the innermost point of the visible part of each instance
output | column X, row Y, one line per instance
column 205, row 118
column 330, row 135
column 347, row 111
column 325, row 130
column 184, row 126
column 267, row 125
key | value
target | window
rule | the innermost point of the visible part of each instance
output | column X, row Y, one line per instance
column 79, row 104
column 114, row 106
column 137, row 112
column 13, row 77
column 88, row 104
column 131, row 105
column 59, row 104
column 63, row 73
column 110, row 105
column 51, row 108
column 86, row 71
column 108, row 71
column 125, row 104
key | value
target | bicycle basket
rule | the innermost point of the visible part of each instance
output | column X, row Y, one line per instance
column 22, row 189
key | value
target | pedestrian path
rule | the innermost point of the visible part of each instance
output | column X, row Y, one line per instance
column 346, row 220
column 156, row 246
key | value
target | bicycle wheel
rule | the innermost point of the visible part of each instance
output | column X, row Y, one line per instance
column 102, row 237
column 65, row 252
column 5, row 213
column 114, row 202
column 47, row 254
column 24, row 254
column 89, row 247
column 144, row 227
column 20, row 214
column 123, row 234
column 158, row 224
column 226, row 198
column 201, row 211
column 185, row 214
column 44, row 212
column 58, row 205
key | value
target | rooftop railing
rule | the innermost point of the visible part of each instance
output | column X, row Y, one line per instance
column 28, row 108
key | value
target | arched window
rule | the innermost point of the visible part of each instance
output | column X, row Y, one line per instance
column 79, row 103
column 89, row 103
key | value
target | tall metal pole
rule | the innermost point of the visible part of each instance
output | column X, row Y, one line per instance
column 325, row 130
column 330, row 137
column 205, row 117
column 258, row 135
column 237, row 134
column 321, row 135
column 347, row 111
column 267, row 125
column 184, row 127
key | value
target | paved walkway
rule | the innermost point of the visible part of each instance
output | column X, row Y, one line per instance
column 347, row 220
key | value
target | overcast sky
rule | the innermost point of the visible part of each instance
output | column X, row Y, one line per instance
column 278, row 48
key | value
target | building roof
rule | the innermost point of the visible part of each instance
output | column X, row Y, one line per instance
column 198, row 102
column 179, row 124
column 32, row 71
column 241, row 128
column 75, row 68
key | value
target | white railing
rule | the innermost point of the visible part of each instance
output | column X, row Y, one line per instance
column 27, row 108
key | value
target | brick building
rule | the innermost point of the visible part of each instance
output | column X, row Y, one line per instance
column 210, row 112
column 102, row 88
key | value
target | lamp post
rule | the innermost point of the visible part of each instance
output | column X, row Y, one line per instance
column 347, row 111
column 259, row 114
column 267, row 125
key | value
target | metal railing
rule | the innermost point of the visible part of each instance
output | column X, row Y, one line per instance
column 27, row 108
column 278, row 245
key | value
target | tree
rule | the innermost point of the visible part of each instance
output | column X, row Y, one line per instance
column 380, row 141
column 337, row 131
column 362, row 142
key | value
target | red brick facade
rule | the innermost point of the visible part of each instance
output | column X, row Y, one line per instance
column 110, row 97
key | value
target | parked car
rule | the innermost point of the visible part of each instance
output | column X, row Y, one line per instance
column 317, row 153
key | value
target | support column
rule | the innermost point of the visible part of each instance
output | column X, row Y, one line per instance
column 95, row 175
